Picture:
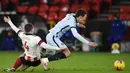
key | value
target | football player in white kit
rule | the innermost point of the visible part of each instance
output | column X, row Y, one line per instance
column 66, row 24
column 32, row 47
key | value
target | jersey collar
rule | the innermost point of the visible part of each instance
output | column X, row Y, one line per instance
column 75, row 18
column 29, row 33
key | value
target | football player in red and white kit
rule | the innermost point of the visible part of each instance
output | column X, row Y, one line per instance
column 32, row 45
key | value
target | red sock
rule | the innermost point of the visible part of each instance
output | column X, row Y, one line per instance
column 17, row 63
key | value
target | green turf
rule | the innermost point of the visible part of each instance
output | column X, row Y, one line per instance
column 78, row 62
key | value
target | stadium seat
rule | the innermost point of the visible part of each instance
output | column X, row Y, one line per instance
column 32, row 9
column 64, row 8
column 43, row 1
column 96, row 7
column 61, row 15
column 124, row 16
column 53, row 2
column 85, row 7
column 110, row 4
column 125, row 9
column 54, row 8
column 75, row 1
column 97, row 1
column 87, row 1
column 74, row 8
column 52, row 16
column 14, row 1
column 43, row 8
column 43, row 15
column 64, row 1
column 56, row 1
column 22, row 9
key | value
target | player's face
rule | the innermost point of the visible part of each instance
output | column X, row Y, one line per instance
column 82, row 19
column 32, row 29
column 9, row 33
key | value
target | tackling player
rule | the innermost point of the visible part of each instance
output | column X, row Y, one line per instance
column 32, row 45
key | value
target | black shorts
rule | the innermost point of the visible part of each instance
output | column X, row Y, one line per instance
column 25, row 62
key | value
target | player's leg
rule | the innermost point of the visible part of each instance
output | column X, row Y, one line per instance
column 59, row 55
column 17, row 64
column 26, row 64
column 29, row 63
column 63, row 53
column 55, row 41
column 24, row 67
column 49, row 40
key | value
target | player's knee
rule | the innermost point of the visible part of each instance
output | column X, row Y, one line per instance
column 67, row 52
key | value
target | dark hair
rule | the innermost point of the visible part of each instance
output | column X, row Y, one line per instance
column 80, row 12
column 28, row 27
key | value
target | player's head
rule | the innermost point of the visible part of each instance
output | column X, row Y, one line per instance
column 81, row 16
column 29, row 28
column 10, row 32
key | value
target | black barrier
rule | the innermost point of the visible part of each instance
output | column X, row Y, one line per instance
column 104, row 26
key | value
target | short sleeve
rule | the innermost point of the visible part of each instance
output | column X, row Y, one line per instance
column 39, row 40
column 21, row 34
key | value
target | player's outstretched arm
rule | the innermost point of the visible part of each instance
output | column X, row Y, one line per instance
column 8, row 20
column 79, row 37
column 41, row 43
column 47, row 46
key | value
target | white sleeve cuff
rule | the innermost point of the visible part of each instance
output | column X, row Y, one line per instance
column 78, row 36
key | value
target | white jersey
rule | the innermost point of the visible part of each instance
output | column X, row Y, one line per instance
column 64, row 25
column 31, row 44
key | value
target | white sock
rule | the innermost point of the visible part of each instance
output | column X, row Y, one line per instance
column 46, row 59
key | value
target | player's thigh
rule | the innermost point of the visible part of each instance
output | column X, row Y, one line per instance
column 49, row 39
column 36, row 63
column 55, row 41
column 24, row 61
column 59, row 43
column 29, row 63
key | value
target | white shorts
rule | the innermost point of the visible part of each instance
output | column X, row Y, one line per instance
column 54, row 41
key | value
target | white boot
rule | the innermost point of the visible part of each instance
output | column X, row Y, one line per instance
column 9, row 69
column 44, row 63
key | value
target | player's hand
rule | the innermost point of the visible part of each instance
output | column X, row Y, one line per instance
column 7, row 19
column 92, row 44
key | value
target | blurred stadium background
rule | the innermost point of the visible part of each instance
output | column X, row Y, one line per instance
column 104, row 16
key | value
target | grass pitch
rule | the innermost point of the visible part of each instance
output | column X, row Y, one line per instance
column 78, row 62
